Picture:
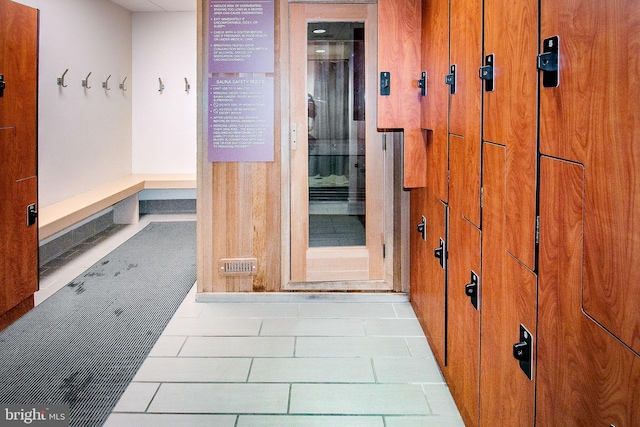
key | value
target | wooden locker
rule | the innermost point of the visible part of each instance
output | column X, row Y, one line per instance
column 585, row 375
column 508, row 300
column 428, row 273
column 399, row 38
column 435, row 102
column 593, row 117
column 510, row 113
column 463, row 275
column 466, row 55
column 18, row 149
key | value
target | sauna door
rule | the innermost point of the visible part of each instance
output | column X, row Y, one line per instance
column 337, row 162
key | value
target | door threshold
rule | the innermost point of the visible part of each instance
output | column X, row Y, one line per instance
column 340, row 286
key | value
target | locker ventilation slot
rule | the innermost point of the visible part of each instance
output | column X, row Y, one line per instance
column 238, row 266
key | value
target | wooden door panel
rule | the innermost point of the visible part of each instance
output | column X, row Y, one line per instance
column 428, row 278
column 511, row 34
column 508, row 299
column 585, row 375
column 435, row 103
column 463, row 338
column 594, row 119
column 399, row 38
column 466, row 53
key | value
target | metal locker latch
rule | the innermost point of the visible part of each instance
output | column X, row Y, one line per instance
column 385, row 83
column 3, row 85
column 471, row 290
column 422, row 83
column 450, row 79
column 486, row 73
column 548, row 62
column 441, row 253
column 522, row 351
column 422, row 228
column 32, row 214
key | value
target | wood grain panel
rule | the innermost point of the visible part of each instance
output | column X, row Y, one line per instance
column 466, row 54
column 508, row 291
column 594, row 119
column 428, row 279
column 585, row 375
column 435, row 104
column 399, row 39
column 511, row 34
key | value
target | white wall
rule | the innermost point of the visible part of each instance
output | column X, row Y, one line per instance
column 164, row 124
column 84, row 135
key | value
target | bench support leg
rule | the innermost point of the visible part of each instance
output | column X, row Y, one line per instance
column 127, row 211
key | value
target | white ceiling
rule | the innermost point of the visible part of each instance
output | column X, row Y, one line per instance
column 158, row 5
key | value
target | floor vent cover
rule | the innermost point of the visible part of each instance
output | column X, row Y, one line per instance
column 238, row 266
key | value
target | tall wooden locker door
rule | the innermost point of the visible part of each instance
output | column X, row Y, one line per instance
column 465, row 58
column 508, row 291
column 399, row 39
column 428, row 268
column 463, row 291
column 590, row 212
column 435, row 102
column 18, row 182
column 510, row 113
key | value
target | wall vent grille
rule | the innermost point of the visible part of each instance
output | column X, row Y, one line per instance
column 238, row 266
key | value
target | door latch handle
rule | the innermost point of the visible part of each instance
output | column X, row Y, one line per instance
column 3, row 85
column 450, row 79
column 522, row 351
column 32, row 214
column 471, row 289
column 441, row 253
column 422, row 228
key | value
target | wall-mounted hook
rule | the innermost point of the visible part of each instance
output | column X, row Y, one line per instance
column 187, row 86
column 61, row 79
column 122, row 85
column 161, row 87
column 105, row 84
column 85, row 82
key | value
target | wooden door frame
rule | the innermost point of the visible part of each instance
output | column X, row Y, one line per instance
column 386, row 271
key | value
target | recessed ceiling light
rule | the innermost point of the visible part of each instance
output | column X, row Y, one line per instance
column 319, row 31
column 320, row 51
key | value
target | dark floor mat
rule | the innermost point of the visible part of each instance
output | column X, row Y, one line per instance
column 82, row 346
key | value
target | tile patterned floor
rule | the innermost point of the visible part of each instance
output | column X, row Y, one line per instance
column 299, row 363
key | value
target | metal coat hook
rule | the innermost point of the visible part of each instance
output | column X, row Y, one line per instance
column 61, row 79
column 85, row 82
column 161, row 88
column 122, row 85
column 105, row 84
column 187, row 86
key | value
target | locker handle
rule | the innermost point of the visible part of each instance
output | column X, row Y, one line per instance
column 522, row 351
column 471, row 290
column 441, row 253
column 422, row 228
column 3, row 85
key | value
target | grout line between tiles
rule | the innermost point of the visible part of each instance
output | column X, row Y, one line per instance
column 152, row 397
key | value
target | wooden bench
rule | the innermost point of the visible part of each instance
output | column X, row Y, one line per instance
column 123, row 193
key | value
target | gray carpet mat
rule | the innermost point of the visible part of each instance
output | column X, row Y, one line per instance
column 82, row 346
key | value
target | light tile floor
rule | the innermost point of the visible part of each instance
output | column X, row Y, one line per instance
column 298, row 363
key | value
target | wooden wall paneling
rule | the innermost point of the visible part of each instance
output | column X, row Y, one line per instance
column 399, row 39
column 466, row 53
column 594, row 119
column 428, row 278
column 585, row 375
column 508, row 299
column 463, row 338
column 18, row 158
column 435, row 103
column 510, row 113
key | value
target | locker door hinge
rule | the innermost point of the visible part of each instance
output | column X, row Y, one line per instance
column 538, row 229
column 481, row 197
column 486, row 73
column 422, row 83
column 548, row 62
column 2, row 85
column 384, row 141
column 450, row 79
column 385, row 83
